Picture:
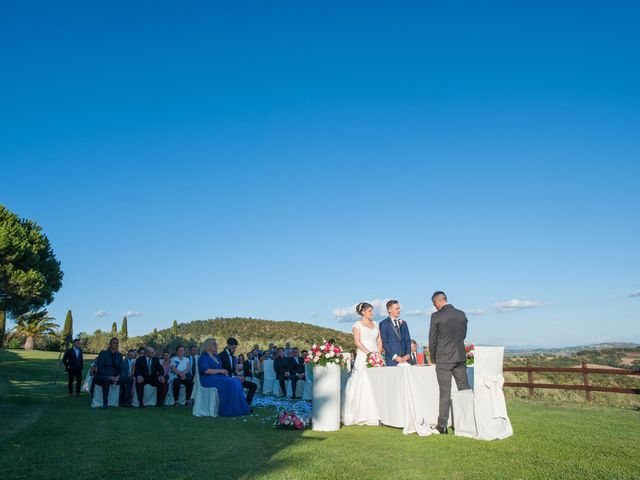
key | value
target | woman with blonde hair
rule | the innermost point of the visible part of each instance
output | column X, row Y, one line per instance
column 232, row 400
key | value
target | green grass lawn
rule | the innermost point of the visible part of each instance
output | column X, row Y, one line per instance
column 45, row 434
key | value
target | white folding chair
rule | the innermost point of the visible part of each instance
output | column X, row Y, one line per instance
column 205, row 400
column 269, row 378
column 462, row 408
column 114, row 396
column 492, row 421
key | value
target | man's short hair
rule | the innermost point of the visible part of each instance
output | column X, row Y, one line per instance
column 232, row 341
column 280, row 348
column 76, row 340
column 391, row 303
column 439, row 295
column 114, row 338
column 414, row 342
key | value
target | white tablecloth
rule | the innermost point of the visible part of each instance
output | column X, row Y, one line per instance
column 407, row 398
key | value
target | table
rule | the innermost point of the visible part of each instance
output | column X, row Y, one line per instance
column 407, row 397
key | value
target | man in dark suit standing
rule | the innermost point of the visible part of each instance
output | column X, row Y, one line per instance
column 108, row 368
column 282, row 367
column 229, row 362
column 296, row 369
column 72, row 360
column 148, row 371
column 446, row 344
column 395, row 337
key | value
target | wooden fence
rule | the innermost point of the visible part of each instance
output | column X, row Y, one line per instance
column 584, row 370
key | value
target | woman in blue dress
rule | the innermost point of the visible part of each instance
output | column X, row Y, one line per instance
column 232, row 400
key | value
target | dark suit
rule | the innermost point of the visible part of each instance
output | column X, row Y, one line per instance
column 446, row 345
column 73, row 364
column 109, row 364
column 296, row 367
column 282, row 366
column 394, row 341
column 229, row 362
column 150, row 371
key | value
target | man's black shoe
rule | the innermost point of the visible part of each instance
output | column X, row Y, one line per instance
column 442, row 430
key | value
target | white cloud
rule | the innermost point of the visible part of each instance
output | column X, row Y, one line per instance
column 100, row 314
column 635, row 294
column 420, row 313
column 132, row 313
column 512, row 305
column 348, row 314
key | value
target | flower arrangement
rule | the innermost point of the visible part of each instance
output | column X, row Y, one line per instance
column 324, row 354
column 374, row 359
column 291, row 420
column 469, row 349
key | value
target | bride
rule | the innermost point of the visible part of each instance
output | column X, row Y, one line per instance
column 359, row 405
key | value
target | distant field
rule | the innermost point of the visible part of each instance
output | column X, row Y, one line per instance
column 46, row 435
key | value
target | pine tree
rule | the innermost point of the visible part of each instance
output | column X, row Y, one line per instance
column 67, row 331
column 114, row 330
column 3, row 324
column 124, row 330
column 174, row 329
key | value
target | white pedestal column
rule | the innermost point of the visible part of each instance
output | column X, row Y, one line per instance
column 326, row 398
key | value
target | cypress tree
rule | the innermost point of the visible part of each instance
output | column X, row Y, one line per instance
column 67, row 331
column 174, row 328
column 124, row 330
column 114, row 330
column 3, row 324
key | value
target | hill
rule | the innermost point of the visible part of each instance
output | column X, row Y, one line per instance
column 248, row 331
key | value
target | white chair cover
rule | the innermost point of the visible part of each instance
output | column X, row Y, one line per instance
column 205, row 401
column 462, row 407
column 277, row 391
column 269, row 377
column 308, row 384
column 86, row 385
column 492, row 421
column 114, row 396
column 182, row 397
column 299, row 388
column 149, row 397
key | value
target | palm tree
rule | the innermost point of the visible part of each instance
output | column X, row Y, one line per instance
column 32, row 325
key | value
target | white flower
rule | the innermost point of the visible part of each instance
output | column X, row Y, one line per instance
column 316, row 359
column 331, row 354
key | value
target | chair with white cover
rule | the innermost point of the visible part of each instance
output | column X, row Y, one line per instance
column 114, row 396
column 149, row 397
column 256, row 380
column 463, row 415
column 269, row 377
column 205, row 400
column 86, row 385
column 299, row 388
column 492, row 421
column 182, row 396
column 277, row 391
column 307, row 394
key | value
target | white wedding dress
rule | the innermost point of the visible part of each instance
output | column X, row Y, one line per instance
column 359, row 403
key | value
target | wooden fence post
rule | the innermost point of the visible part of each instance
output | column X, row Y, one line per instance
column 585, row 377
column 530, row 378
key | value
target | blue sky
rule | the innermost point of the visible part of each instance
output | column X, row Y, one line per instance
column 286, row 161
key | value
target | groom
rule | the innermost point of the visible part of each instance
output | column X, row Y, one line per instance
column 394, row 333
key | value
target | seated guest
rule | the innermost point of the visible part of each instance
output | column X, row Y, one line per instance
column 180, row 375
column 72, row 361
column 193, row 361
column 256, row 351
column 229, row 363
column 165, row 363
column 213, row 374
column 140, row 352
column 149, row 372
column 417, row 358
column 108, row 367
column 296, row 369
column 240, row 366
column 281, row 365
column 128, row 367
column 287, row 349
column 249, row 366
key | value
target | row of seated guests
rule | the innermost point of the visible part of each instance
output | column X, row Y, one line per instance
column 142, row 368
column 219, row 371
column 289, row 368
